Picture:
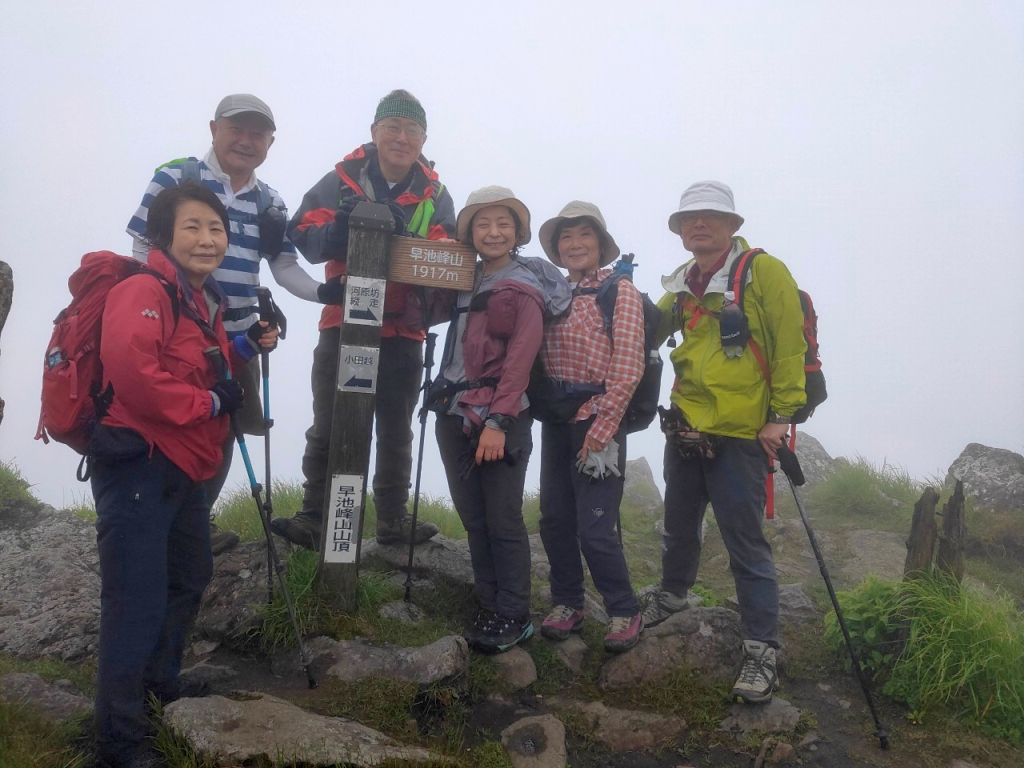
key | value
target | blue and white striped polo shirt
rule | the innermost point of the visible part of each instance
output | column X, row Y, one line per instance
column 239, row 274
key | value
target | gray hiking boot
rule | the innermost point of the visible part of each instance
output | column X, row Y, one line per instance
column 657, row 605
column 758, row 676
column 303, row 529
column 397, row 531
column 221, row 541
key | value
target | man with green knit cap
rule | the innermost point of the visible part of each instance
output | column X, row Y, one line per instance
column 390, row 170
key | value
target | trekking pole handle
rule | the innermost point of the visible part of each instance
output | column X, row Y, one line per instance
column 428, row 353
column 269, row 311
column 791, row 465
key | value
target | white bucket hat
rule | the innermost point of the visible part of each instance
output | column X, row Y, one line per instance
column 705, row 196
column 487, row 196
column 575, row 210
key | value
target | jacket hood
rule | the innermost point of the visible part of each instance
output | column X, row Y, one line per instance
column 676, row 281
column 549, row 281
column 351, row 171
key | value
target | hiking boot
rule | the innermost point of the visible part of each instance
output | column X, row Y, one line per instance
column 501, row 633
column 623, row 633
column 221, row 541
column 562, row 621
column 480, row 621
column 303, row 529
column 657, row 605
column 758, row 676
column 147, row 757
column 397, row 531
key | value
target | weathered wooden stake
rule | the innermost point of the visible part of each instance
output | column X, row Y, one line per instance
column 921, row 544
column 370, row 228
column 954, row 533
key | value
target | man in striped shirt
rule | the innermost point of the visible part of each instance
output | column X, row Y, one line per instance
column 243, row 132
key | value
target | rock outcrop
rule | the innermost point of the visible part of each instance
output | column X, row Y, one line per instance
column 50, row 601
column 994, row 477
column 234, row 733
column 640, row 491
column 59, row 700
column 707, row 639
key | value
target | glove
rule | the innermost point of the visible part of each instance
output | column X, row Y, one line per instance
column 255, row 333
column 272, row 227
column 332, row 292
column 337, row 233
column 228, row 397
column 400, row 220
column 600, row 464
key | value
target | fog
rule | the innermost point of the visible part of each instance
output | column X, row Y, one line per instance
column 876, row 148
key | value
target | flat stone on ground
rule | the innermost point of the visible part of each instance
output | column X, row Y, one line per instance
column 58, row 701
column 439, row 555
column 624, row 730
column 399, row 610
column 536, row 742
column 516, row 668
column 570, row 651
column 777, row 716
column 264, row 729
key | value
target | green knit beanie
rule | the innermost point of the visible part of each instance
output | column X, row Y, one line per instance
column 401, row 104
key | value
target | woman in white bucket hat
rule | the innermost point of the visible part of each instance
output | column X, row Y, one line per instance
column 483, row 424
column 591, row 372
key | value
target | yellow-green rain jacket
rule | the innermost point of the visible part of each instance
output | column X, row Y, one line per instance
column 729, row 396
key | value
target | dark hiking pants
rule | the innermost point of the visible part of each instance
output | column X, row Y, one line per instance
column 250, row 418
column 490, row 504
column 153, row 535
column 399, row 375
column 580, row 513
column 734, row 483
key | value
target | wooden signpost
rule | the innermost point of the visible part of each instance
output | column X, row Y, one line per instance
column 370, row 228
column 427, row 262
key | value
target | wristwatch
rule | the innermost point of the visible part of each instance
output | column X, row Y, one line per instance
column 499, row 421
column 774, row 418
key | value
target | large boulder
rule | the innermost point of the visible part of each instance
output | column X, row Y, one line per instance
column 993, row 476
column 262, row 730
column 49, row 568
column 814, row 461
column 705, row 639
column 640, row 491
column 440, row 555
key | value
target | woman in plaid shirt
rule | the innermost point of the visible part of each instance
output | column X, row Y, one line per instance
column 583, row 454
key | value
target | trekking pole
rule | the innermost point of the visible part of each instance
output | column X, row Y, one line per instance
column 428, row 364
column 272, row 315
column 221, row 365
column 791, row 467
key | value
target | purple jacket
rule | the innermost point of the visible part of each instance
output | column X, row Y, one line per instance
column 501, row 341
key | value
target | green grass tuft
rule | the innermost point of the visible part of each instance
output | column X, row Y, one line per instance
column 14, row 488
column 859, row 490
column 28, row 739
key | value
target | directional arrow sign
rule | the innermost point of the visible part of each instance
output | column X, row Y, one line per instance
column 364, row 300
column 357, row 368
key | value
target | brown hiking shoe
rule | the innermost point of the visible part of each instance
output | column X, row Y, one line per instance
column 303, row 529
column 398, row 531
column 221, row 541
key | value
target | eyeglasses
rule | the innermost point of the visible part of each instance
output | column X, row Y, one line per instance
column 394, row 130
column 708, row 217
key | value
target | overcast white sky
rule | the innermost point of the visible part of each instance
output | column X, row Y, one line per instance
column 876, row 147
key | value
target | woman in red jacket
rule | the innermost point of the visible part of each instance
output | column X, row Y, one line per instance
column 483, row 423
column 160, row 438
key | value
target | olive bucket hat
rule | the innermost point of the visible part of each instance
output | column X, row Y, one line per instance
column 575, row 210
column 705, row 196
column 487, row 196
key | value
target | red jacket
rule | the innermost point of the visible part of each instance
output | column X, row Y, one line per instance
column 161, row 377
column 308, row 231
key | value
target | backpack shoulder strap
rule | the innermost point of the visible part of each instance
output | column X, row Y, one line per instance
column 739, row 274
column 264, row 198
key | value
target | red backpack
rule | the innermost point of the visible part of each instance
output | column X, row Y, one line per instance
column 72, row 403
column 814, row 386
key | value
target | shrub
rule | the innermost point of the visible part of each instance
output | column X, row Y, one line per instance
column 937, row 644
column 14, row 487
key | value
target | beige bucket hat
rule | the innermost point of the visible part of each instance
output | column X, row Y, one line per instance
column 484, row 197
column 574, row 210
column 705, row 196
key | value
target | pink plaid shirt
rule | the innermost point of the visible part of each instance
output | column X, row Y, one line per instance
column 577, row 349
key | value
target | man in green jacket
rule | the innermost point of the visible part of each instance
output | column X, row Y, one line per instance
column 727, row 419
